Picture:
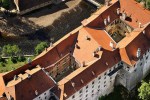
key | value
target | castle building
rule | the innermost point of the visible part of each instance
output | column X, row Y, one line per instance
column 111, row 47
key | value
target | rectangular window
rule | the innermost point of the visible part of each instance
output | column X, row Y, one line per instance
column 99, row 77
column 93, row 82
column 141, row 64
column 73, row 96
column 80, row 91
column 86, row 86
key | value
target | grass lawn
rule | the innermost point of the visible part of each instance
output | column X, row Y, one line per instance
column 9, row 65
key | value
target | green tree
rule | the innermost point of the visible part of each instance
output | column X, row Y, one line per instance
column 10, row 50
column 144, row 91
column 5, row 3
column 40, row 47
column 147, row 4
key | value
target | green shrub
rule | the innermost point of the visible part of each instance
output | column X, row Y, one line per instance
column 2, row 60
column 21, row 59
column 2, row 64
column 14, row 59
column 40, row 47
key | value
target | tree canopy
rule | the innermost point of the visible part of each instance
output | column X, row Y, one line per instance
column 40, row 47
column 5, row 3
column 144, row 91
column 10, row 50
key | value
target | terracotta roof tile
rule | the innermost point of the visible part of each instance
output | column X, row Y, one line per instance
column 38, row 81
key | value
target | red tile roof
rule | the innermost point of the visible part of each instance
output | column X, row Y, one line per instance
column 137, row 12
column 93, row 27
column 25, row 89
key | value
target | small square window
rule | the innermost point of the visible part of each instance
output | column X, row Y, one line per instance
column 86, row 90
column 93, row 86
column 73, row 96
column 93, row 82
column 80, row 91
column 86, row 86
column 99, row 78
column 86, row 95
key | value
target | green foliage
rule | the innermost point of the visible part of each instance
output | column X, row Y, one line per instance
column 40, row 47
column 5, row 3
column 21, row 59
column 14, row 59
column 147, row 5
column 10, row 50
column 144, row 91
column 138, row 0
column 2, row 60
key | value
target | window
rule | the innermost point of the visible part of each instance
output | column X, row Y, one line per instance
column 44, row 93
column 110, row 70
column 92, row 95
column 105, row 77
column 86, row 86
column 105, row 73
column 146, row 57
column 104, row 82
column 99, row 81
column 99, row 86
column 110, row 77
column 92, row 91
column 80, row 95
column 99, row 78
column 73, row 96
column 93, row 82
column 93, row 86
column 86, row 95
column 80, row 91
column 141, row 64
column 45, row 98
column 135, row 70
column 86, row 90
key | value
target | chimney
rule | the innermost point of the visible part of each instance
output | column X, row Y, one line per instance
column 99, row 48
column 36, row 92
column 124, row 15
column 51, row 44
column 46, row 49
column 15, row 77
column 77, row 46
column 87, row 38
column 94, row 53
column 108, row 19
column 29, row 76
column 82, row 81
column 107, row 63
column 83, row 64
column 143, row 31
column 111, row 44
column 139, row 25
column 138, row 53
column 29, row 60
column 73, row 84
column 118, row 11
column 93, row 73
column 107, row 2
column 105, row 21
